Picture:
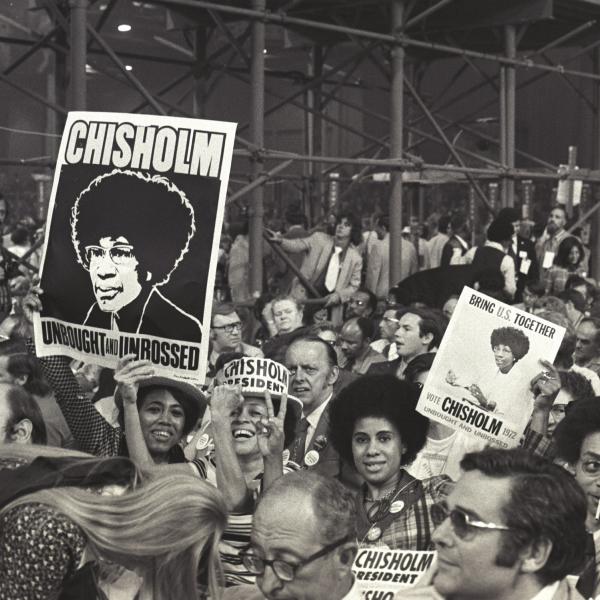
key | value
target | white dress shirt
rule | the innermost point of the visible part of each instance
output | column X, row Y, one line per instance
column 547, row 593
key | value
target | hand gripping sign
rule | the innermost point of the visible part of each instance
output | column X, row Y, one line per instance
column 132, row 240
column 479, row 383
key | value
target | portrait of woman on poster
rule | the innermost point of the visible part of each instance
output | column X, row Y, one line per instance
column 505, row 381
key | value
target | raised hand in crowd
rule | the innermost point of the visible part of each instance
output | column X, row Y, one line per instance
column 270, row 432
column 545, row 386
column 128, row 375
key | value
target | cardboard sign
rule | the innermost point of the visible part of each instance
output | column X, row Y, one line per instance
column 479, row 383
column 381, row 572
column 255, row 375
column 132, row 240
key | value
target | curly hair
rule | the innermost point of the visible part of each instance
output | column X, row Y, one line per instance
column 577, row 385
column 141, row 207
column 355, row 224
column 581, row 420
column 512, row 337
column 383, row 396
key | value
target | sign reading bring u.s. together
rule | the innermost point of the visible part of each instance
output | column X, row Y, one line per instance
column 132, row 240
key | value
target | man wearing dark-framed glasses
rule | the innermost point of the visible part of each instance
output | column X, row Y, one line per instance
column 226, row 334
column 512, row 528
column 130, row 231
column 303, row 542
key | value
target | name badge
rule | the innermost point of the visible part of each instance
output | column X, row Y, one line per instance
column 523, row 254
column 548, row 260
column 525, row 266
column 202, row 441
column 311, row 458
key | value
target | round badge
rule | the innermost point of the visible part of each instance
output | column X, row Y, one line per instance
column 285, row 456
column 396, row 507
column 311, row 458
column 374, row 534
column 202, row 441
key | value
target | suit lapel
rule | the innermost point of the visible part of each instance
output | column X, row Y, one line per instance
column 342, row 281
column 323, row 259
column 320, row 430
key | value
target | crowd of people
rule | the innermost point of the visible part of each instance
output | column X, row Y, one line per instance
column 304, row 446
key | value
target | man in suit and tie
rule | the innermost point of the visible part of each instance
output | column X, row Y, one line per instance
column 331, row 263
column 522, row 252
column 313, row 368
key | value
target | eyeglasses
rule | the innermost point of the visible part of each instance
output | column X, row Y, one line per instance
column 282, row 569
column 120, row 255
column 463, row 525
column 230, row 327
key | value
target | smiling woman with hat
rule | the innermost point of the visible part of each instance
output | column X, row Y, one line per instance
column 155, row 412
column 252, row 419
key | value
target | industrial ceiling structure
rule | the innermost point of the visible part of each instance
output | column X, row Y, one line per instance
column 363, row 87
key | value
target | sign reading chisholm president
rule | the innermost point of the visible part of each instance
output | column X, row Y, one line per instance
column 479, row 383
column 132, row 238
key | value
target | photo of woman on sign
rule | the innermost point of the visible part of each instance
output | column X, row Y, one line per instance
column 497, row 390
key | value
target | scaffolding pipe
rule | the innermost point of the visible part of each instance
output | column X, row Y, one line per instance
column 401, row 39
column 596, row 157
column 257, row 125
column 396, row 144
column 78, row 54
column 508, row 185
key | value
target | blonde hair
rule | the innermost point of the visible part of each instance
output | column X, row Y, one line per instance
column 163, row 529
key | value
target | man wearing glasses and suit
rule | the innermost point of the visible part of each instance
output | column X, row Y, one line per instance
column 303, row 542
column 512, row 528
column 226, row 335
column 130, row 232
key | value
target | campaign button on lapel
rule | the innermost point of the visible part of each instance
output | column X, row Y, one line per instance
column 396, row 507
column 311, row 458
column 374, row 534
column 202, row 441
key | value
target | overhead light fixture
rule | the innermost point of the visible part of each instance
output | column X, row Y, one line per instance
column 124, row 27
column 265, row 51
column 128, row 68
column 90, row 70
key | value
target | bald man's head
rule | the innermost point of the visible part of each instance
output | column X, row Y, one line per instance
column 308, row 522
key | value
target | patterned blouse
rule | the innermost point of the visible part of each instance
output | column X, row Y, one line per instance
column 40, row 549
column 408, row 525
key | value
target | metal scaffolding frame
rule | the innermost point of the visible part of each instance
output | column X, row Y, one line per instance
column 80, row 38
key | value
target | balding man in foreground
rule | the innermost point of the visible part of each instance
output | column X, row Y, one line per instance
column 303, row 542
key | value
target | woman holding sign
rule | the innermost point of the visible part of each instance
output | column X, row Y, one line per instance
column 375, row 427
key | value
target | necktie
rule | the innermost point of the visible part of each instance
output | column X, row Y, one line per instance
column 333, row 270
column 297, row 449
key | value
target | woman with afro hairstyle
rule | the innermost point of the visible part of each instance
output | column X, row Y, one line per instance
column 376, row 428
column 506, row 389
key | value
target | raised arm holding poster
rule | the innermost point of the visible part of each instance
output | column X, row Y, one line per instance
column 479, row 383
column 132, row 238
